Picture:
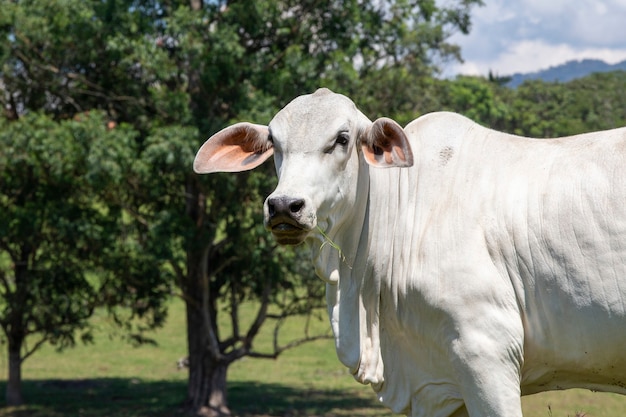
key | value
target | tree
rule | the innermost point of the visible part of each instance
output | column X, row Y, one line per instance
column 481, row 100
column 177, row 71
column 66, row 244
column 586, row 104
column 261, row 55
column 62, row 252
column 550, row 109
column 398, row 47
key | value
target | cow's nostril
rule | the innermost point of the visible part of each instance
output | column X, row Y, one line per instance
column 284, row 206
column 296, row 206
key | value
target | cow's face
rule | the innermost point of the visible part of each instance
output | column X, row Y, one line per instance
column 315, row 140
column 316, row 162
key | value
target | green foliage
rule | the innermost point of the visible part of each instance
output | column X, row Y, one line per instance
column 587, row 104
column 61, row 230
column 536, row 108
column 43, row 209
column 476, row 98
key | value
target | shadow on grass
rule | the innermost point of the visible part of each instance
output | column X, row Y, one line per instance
column 258, row 399
column 120, row 397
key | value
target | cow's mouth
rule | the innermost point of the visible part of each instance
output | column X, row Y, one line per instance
column 287, row 231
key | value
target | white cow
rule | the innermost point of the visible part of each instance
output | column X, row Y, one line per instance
column 486, row 267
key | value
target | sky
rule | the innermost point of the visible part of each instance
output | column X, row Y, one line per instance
column 511, row 36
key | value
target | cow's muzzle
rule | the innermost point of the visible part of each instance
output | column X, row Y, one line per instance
column 285, row 218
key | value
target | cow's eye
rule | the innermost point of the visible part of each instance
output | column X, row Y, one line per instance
column 342, row 138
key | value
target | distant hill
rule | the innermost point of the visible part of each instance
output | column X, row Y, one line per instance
column 567, row 72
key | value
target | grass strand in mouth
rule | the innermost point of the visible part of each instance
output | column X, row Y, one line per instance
column 332, row 244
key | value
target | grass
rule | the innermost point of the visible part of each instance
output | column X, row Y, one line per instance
column 112, row 378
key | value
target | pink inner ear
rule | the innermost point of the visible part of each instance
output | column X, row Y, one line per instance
column 240, row 147
column 234, row 157
column 386, row 145
column 400, row 152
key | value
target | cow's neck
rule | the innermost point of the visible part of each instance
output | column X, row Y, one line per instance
column 335, row 246
column 340, row 258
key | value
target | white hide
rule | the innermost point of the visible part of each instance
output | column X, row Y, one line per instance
column 494, row 267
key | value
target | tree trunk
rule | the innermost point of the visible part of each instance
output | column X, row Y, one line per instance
column 15, row 331
column 206, row 389
column 14, row 383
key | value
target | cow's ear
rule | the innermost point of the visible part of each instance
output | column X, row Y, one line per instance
column 240, row 147
column 385, row 144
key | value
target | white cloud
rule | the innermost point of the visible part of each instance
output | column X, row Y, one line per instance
column 509, row 36
column 532, row 55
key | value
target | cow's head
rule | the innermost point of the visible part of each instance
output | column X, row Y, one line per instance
column 316, row 140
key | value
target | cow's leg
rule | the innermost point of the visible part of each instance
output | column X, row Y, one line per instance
column 488, row 368
column 490, row 391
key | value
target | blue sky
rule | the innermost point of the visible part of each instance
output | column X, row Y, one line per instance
column 510, row 36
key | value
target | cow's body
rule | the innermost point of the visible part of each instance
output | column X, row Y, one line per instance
column 494, row 266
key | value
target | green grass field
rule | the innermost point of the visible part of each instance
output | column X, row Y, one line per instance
column 112, row 378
